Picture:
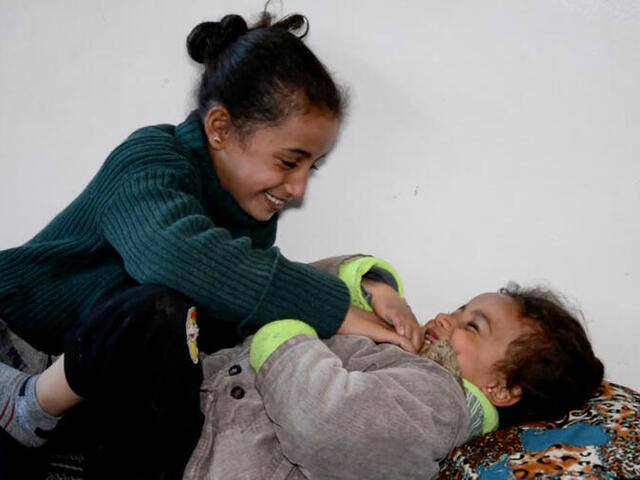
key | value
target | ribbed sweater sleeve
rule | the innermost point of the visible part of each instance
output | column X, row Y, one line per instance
column 163, row 234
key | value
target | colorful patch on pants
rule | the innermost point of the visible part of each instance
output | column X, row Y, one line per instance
column 192, row 333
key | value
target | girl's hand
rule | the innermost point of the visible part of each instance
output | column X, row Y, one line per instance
column 394, row 310
column 361, row 322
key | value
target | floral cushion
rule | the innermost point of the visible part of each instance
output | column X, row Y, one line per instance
column 599, row 441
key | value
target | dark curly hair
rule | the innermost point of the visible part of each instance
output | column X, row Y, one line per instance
column 554, row 366
column 263, row 73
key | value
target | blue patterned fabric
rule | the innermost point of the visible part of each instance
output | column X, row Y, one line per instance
column 599, row 441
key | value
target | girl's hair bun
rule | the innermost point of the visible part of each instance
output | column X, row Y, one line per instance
column 261, row 73
column 208, row 39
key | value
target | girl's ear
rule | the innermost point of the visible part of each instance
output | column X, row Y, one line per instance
column 217, row 126
column 501, row 396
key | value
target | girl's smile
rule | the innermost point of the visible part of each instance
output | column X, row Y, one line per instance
column 274, row 202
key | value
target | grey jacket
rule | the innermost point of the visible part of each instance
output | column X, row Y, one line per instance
column 343, row 408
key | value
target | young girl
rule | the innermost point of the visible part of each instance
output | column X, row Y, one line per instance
column 190, row 212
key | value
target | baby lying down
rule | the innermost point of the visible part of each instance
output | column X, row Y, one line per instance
column 287, row 405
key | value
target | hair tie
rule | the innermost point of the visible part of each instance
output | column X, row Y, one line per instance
column 296, row 24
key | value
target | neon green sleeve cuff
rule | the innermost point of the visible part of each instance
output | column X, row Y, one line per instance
column 272, row 335
column 351, row 274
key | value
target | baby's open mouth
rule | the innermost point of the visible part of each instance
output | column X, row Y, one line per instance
column 430, row 338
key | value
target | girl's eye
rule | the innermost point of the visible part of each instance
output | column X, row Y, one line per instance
column 287, row 163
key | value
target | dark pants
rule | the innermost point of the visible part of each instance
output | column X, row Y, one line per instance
column 131, row 363
column 18, row 462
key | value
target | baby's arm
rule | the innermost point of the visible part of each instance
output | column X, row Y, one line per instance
column 394, row 420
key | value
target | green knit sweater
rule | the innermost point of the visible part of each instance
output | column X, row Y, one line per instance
column 156, row 213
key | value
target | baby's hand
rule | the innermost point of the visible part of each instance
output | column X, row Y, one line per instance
column 394, row 310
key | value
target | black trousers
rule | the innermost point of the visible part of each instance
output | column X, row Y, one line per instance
column 130, row 362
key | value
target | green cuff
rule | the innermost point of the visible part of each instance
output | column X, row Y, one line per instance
column 272, row 335
column 351, row 274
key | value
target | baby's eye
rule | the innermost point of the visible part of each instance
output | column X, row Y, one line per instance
column 473, row 326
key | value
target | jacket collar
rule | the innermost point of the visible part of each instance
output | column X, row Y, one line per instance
column 483, row 416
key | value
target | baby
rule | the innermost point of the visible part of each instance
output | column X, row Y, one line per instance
column 286, row 404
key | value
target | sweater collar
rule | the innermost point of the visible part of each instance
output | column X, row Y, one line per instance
column 191, row 135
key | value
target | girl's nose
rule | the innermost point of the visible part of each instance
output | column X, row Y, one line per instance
column 296, row 183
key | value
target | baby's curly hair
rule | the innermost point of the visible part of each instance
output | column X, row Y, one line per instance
column 554, row 366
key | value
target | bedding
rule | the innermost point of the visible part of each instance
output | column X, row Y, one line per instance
column 601, row 440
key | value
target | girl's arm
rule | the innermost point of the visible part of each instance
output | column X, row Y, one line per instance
column 164, row 236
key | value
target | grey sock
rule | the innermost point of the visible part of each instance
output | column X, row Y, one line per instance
column 21, row 415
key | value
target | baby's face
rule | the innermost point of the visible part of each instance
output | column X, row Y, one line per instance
column 480, row 333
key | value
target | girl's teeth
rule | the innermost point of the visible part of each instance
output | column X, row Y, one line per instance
column 275, row 200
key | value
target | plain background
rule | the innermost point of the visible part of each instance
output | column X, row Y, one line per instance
column 487, row 140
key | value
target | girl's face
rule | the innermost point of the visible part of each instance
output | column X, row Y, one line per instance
column 271, row 166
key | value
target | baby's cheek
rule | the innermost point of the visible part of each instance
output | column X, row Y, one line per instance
column 464, row 364
column 464, row 354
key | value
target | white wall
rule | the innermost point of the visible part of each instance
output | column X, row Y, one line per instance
column 487, row 140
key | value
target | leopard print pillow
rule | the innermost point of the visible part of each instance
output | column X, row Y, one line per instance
column 599, row 441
